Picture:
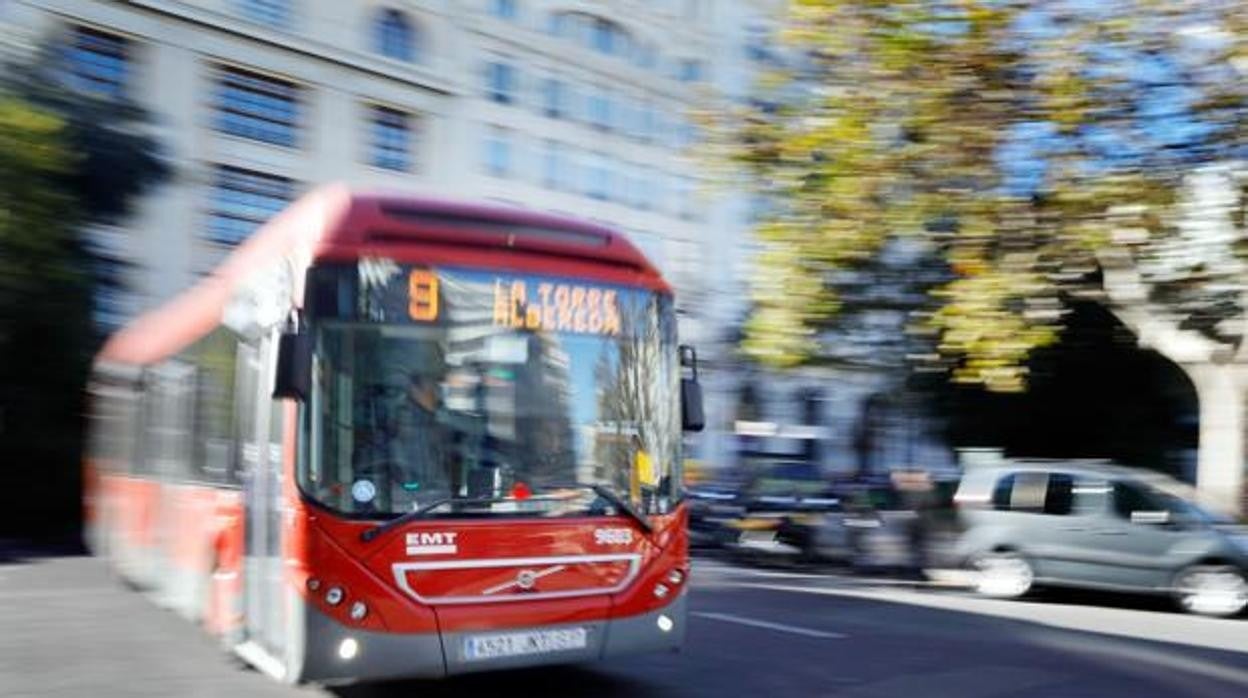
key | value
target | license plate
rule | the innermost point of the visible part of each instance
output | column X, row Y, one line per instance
column 519, row 644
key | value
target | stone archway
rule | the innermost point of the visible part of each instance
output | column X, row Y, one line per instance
column 1094, row 395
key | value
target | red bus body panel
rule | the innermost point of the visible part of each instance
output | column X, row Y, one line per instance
column 196, row 530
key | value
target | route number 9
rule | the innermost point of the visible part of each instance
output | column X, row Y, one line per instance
column 422, row 295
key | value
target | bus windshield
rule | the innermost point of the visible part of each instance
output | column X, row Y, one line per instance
column 487, row 392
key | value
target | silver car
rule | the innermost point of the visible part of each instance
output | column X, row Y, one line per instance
column 1098, row 526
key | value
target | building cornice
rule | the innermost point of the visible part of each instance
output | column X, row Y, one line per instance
column 410, row 74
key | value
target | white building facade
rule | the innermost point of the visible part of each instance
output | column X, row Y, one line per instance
column 580, row 108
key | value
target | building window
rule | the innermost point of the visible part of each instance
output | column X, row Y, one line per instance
column 644, row 188
column 656, row 191
column 555, row 98
column 624, row 183
column 557, row 24
column 393, row 36
column 242, row 201
column 275, row 13
column 569, row 167
column 598, row 179
column 391, row 139
column 552, row 165
column 96, row 63
column 687, row 198
column 599, row 35
column 689, row 71
column 500, row 80
column 503, row 9
column 258, row 107
column 600, row 109
column 649, row 123
column 498, row 153
column 645, row 55
column 627, row 115
column 602, row 36
column 687, row 135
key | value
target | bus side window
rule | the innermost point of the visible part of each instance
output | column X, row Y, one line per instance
column 166, row 433
column 111, row 443
column 146, row 452
column 214, row 408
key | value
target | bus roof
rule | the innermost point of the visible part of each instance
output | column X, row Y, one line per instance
column 335, row 223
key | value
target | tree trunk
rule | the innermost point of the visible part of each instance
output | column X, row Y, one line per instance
column 1220, row 388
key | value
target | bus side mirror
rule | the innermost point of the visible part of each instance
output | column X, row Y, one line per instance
column 691, row 415
column 294, row 366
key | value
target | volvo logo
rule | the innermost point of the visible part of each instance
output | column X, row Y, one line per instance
column 525, row 580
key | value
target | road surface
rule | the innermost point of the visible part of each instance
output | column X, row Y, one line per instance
column 68, row 629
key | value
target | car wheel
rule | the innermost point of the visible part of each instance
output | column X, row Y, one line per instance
column 1004, row 575
column 1211, row 590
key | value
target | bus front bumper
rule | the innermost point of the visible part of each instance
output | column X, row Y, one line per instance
column 374, row 655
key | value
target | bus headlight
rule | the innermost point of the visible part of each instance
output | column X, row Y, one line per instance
column 348, row 648
column 675, row 576
column 660, row 590
column 334, row 596
column 665, row 623
column 358, row 611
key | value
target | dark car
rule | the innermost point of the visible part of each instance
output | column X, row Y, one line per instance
column 784, row 510
column 712, row 507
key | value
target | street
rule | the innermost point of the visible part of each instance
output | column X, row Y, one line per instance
column 70, row 629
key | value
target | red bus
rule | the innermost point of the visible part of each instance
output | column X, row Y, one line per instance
column 403, row 437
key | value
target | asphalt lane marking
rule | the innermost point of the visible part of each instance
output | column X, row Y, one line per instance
column 716, row 568
column 781, row 627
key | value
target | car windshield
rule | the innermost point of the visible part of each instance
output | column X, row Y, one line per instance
column 1192, row 511
column 503, row 393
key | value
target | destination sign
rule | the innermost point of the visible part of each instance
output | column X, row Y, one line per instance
column 556, row 307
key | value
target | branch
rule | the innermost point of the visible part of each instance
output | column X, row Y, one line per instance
column 1155, row 328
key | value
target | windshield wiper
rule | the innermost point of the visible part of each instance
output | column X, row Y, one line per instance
column 422, row 512
column 419, row 513
column 614, row 499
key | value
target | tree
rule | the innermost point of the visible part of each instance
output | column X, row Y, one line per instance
column 1044, row 150
column 66, row 160
column 44, row 310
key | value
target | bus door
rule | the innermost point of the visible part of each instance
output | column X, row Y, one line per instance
column 171, row 388
column 260, row 436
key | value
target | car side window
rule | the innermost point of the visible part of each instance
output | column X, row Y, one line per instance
column 1130, row 497
column 1059, row 494
column 1091, row 496
column 1035, row 492
column 1002, row 492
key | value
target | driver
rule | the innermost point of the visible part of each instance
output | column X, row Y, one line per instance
column 421, row 448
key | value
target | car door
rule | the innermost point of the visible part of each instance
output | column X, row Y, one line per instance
column 1061, row 510
column 1135, row 537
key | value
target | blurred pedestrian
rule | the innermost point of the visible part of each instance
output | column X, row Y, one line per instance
column 915, row 492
